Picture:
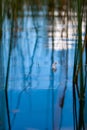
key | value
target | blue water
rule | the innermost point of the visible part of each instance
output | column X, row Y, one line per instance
column 35, row 91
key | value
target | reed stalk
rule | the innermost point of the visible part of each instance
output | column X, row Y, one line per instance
column 78, row 74
column 7, row 73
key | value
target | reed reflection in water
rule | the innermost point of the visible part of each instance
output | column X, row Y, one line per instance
column 32, row 39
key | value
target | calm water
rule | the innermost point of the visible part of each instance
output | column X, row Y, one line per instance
column 35, row 90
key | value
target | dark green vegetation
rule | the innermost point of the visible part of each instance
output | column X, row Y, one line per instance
column 80, row 70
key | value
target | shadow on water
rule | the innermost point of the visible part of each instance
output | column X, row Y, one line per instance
column 38, row 43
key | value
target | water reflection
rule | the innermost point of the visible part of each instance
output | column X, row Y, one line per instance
column 32, row 39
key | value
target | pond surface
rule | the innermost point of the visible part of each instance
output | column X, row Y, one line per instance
column 35, row 89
